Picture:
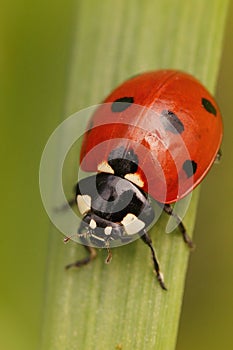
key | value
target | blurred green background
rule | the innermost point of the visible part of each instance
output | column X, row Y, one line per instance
column 36, row 41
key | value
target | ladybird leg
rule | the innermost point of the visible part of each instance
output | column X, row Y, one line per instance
column 109, row 256
column 218, row 156
column 65, row 206
column 91, row 251
column 169, row 210
column 146, row 239
column 72, row 202
column 91, row 256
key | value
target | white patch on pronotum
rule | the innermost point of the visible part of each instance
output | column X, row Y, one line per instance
column 92, row 224
column 84, row 203
column 135, row 178
column 132, row 224
column 108, row 230
column 104, row 167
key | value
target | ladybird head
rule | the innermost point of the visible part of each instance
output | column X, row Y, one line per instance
column 113, row 209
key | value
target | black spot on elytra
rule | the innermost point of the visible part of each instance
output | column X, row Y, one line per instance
column 121, row 104
column 171, row 122
column 190, row 167
column 123, row 161
column 209, row 107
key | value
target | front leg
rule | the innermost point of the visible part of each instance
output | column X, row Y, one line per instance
column 83, row 240
column 146, row 239
column 91, row 256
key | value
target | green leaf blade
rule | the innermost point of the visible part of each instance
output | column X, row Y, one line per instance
column 99, row 306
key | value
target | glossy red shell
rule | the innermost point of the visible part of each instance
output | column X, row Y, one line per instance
column 161, row 152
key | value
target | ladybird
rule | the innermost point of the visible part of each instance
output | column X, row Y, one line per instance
column 157, row 135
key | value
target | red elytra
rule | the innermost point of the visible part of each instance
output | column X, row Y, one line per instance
column 172, row 123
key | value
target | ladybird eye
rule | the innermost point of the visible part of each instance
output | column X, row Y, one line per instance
column 121, row 104
column 171, row 122
column 208, row 106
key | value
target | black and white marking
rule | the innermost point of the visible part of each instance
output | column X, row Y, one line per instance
column 135, row 178
column 113, row 207
column 132, row 224
column 104, row 167
column 84, row 203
